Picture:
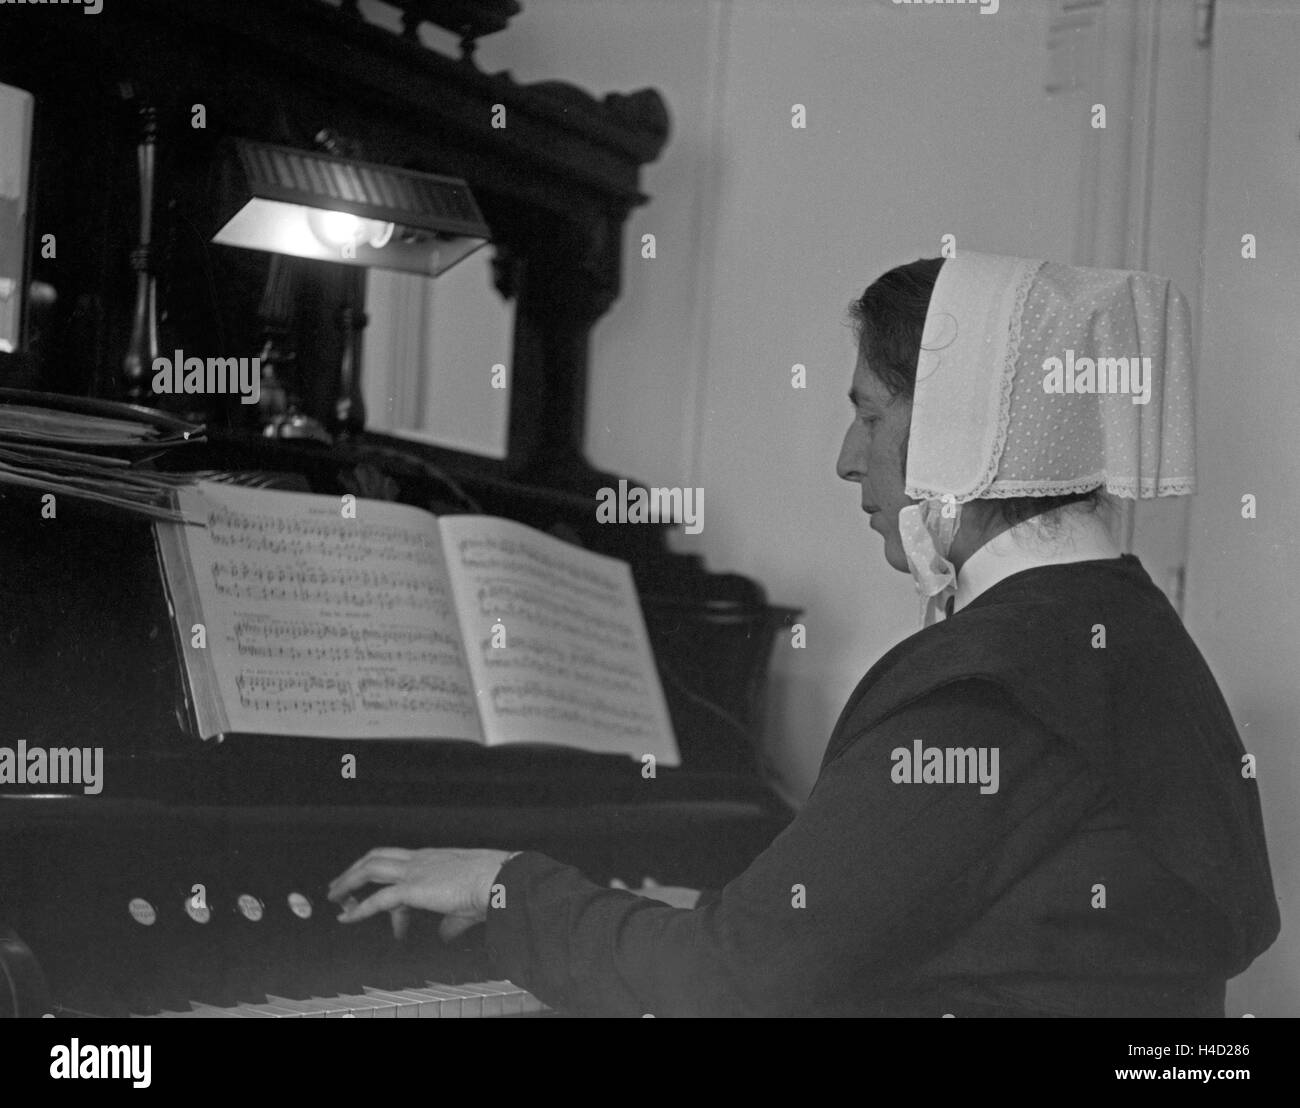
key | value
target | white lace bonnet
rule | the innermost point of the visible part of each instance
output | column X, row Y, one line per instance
column 1039, row 379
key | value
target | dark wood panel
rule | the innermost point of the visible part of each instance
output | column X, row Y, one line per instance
column 556, row 185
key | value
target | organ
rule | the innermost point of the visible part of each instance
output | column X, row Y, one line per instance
column 193, row 884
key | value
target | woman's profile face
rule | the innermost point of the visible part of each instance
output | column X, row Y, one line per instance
column 874, row 455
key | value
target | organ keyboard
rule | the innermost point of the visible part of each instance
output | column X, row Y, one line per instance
column 116, row 932
column 430, row 1000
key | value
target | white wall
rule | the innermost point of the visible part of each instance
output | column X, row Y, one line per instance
column 431, row 348
column 1242, row 595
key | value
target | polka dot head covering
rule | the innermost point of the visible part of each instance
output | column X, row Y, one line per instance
column 1039, row 379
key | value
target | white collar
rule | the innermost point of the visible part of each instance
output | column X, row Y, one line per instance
column 1073, row 535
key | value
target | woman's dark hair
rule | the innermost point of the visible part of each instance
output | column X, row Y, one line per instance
column 889, row 319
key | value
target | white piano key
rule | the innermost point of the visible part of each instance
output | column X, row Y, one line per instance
column 531, row 1004
column 311, row 1009
column 408, row 1007
column 428, row 1004
column 464, row 1000
column 378, row 1007
column 512, row 997
column 473, row 1004
column 276, row 1010
column 211, row 1011
column 517, row 1000
column 439, row 1002
column 367, row 1007
column 331, row 1007
column 488, row 999
column 240, row 1011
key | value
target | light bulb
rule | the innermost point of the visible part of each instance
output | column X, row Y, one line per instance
column 379, row 233
column 338, row 228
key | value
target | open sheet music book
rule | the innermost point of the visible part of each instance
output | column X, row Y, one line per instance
column 399, row 624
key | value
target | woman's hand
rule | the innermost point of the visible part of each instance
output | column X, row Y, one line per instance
column 455, row 883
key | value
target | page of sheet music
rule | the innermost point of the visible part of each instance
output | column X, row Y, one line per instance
column 323, row 625
column 556, row 641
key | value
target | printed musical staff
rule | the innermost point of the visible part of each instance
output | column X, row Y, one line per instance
column 338, row 588
column 534, row 700
column 521, row 558
column 555, row 640
column 317, row 695
column 532, row 657
column 328, row 537
column 326, row 641
column 526, row 604
column 326, row 625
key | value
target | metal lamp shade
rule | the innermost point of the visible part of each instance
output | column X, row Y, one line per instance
column 312, row 205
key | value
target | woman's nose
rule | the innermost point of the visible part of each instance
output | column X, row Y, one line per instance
column 848, row 466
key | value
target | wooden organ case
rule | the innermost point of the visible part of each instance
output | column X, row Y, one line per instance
column 98, row 893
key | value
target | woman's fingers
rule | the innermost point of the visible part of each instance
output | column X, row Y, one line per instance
column 385, row 900
column 401, row 920
column 447, row 881
column 379, row 866
column 394, row 853
column 398, row 853
column 452, row 927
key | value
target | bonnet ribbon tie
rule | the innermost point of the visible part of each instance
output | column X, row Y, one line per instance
column 927, row 535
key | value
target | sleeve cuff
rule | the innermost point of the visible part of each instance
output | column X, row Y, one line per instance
column 507, row 935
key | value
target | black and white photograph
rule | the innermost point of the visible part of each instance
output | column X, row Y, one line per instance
column 650, row 508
